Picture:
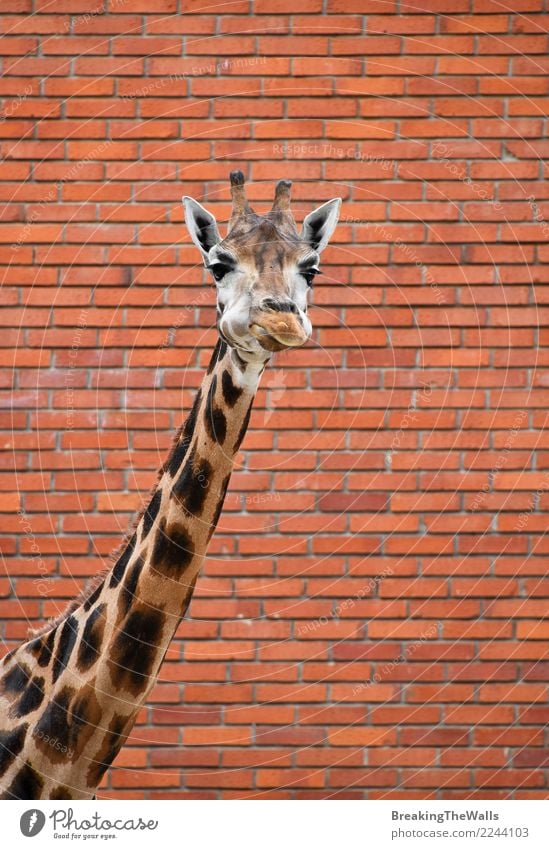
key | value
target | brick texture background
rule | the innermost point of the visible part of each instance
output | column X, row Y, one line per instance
column 370, row 620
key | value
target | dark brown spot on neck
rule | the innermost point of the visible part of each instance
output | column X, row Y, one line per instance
column 46, row 648
column 231, row 392
column 184, row 438
column 31, row 698
column 11, row 744
column 65, row 646
column 61, row 792
column 214, row 417
column 151, row 513
column 90, row 601
column 219, row 352
column 120, row 566
column 16, row 679
column 92, row 637
column 135, row 650
column 54, row 724
column 27, row 784
column 173, row 550
column 191, row 487
column 111, row 745
column 129, row 590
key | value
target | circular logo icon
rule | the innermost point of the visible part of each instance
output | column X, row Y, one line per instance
column 32, row 822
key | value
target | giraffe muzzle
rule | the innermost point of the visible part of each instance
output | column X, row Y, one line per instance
column 277, row 325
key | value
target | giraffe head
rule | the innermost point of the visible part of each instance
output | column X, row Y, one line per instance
column 263, row 268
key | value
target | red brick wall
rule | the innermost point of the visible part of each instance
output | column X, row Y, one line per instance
column 370, row 617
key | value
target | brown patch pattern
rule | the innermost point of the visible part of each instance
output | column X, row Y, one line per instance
column 173, row 550
column 134, row 650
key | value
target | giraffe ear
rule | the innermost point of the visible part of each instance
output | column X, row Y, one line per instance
column 319, row 225
column 201, row 225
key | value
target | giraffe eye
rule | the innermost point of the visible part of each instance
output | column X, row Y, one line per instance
column 309, row 274
column 219, row 270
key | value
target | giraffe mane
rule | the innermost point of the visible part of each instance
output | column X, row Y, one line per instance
column 74, row 603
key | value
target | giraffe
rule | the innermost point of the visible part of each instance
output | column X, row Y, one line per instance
column 70, row 694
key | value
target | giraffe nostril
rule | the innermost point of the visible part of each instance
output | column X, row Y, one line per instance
column 278, row 306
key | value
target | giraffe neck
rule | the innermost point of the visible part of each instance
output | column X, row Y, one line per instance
column 83, row 682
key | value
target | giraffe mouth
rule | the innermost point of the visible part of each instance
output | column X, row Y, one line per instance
column 278, row 334
column 277, row 329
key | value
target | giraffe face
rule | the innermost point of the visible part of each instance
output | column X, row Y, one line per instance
column 263, row 271
column 263, row 279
